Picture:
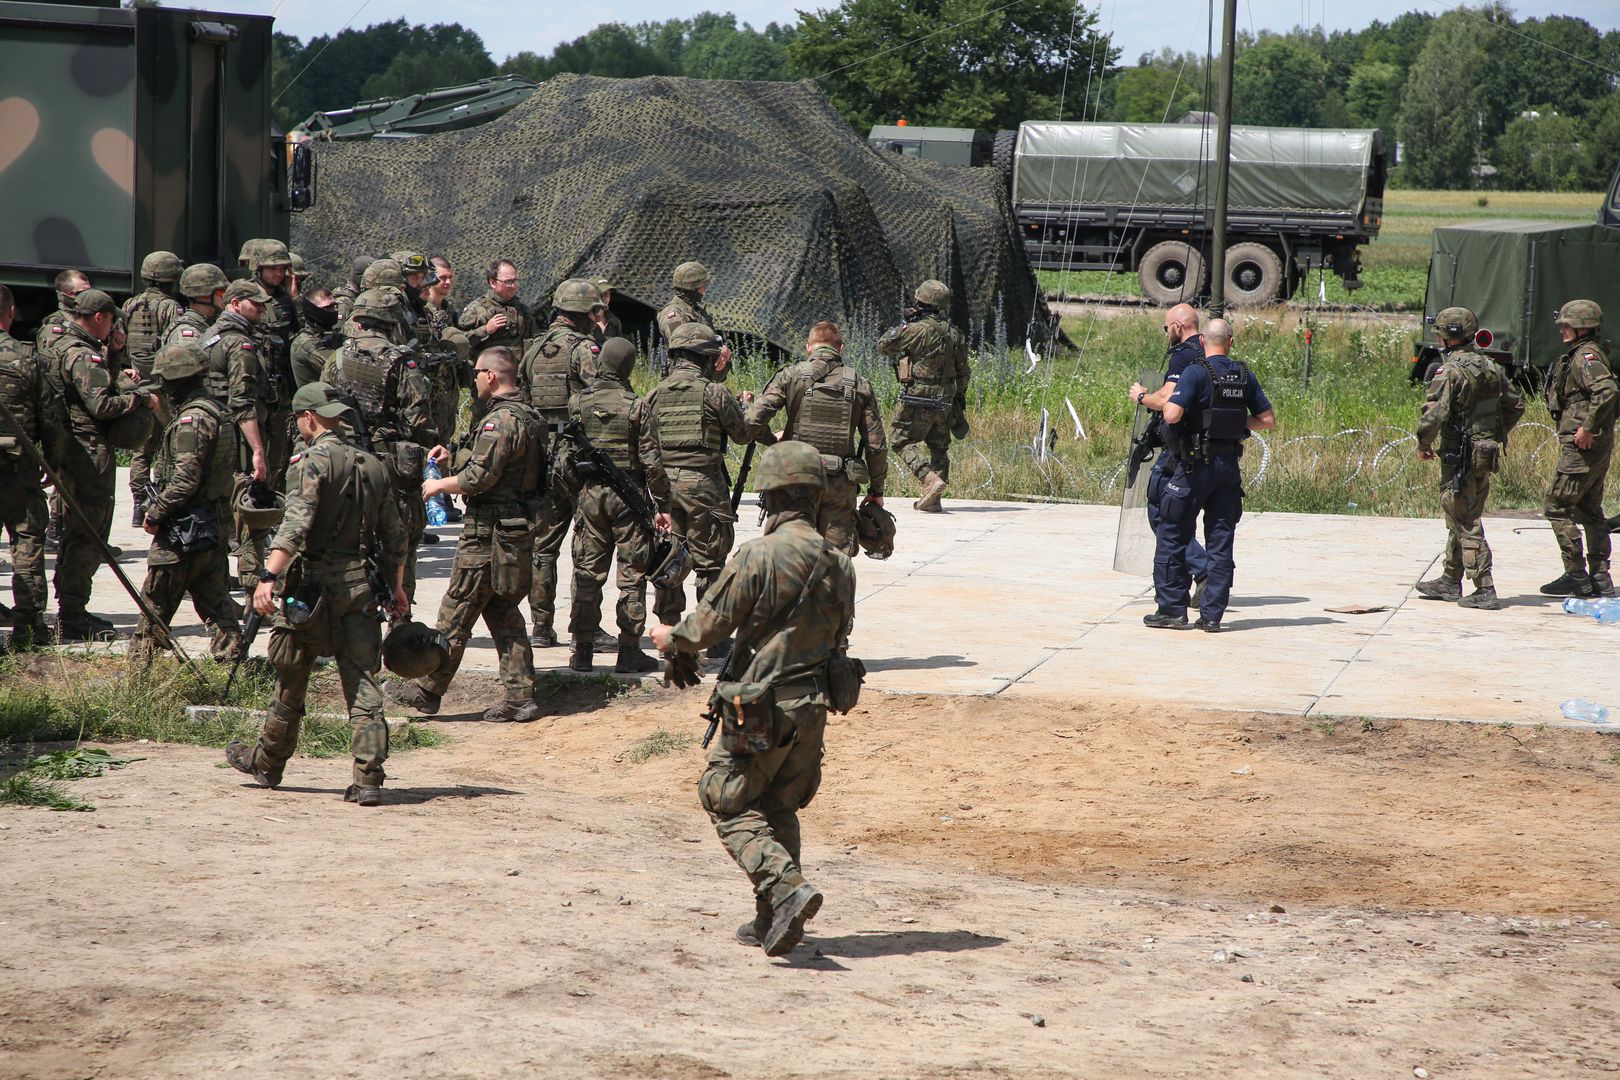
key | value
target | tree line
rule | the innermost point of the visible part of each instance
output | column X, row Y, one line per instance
column 1473, row 97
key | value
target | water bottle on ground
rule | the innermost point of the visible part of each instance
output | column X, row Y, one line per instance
column 1581, row 709
column 1605, row 610
column 435, row 504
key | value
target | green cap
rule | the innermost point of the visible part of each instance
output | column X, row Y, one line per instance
column 93, row 302
column 318, row 398
column 246, row 289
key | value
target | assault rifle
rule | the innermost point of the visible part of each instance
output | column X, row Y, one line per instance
column 1458, row 459
column 1149, row 439
column 591, row 462
column 712, row 714
column 250, row 630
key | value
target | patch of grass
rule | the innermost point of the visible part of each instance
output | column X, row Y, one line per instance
column 1367, row 724
column 29, row 788
column 658, row 744
column 1326, row 727
column 77, row 763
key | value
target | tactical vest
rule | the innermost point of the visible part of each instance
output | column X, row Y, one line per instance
column 219, row 471
column 18, row 391
column 683, row 422
column 605, row 415
column 931, row 355
column 547, row 368
column 368, row 374
column 143, row 328
column 217, row 379
column 1226, row 418
column 521, row 474
column 826, row 416
column 1482, row 381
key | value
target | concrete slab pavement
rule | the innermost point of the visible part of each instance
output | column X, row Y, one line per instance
column 1020, row 599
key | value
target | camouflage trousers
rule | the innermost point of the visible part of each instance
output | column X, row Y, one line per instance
column 206, row 577
column 481, row 566
column 1462, row 504
column 413, row 513
column 1575, row 503
column 700, row 507
column 601, row 527
column 754, row 799
column 922, row 438
column 24, row 515
column 344, row 626
column 835, row 519
column 92, row 480
column 548, row 542
column 280, row 433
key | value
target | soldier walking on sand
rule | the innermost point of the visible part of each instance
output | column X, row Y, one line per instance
column 931, row 361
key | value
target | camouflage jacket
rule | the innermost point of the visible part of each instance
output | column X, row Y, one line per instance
column 150, row 315
column 514, row 335
column 196, row 465
column 234, row 356
column 1581, row 391
column 1469, row 393
column 720, row 415
column 684, row 307
column 51, row 333
column 190, row 327
column 761, row 583
column 277, row 327
column 311, row 350
column 37, row 407
column 840, row 396
column 615, row 407
column 339, row 500
column 931, row 357
column 344, row 296
column 558, row 364
column 394, row 392
column 505, row 462
column 89, row 389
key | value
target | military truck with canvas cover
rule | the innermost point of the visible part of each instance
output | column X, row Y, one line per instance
column 1514, row 275
column 130, row 131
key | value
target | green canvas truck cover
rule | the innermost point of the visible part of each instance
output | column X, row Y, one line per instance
column 1169, row 165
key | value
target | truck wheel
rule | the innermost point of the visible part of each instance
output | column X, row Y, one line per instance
column 1171, row 273
column 1002, row 152
column 1254, row 275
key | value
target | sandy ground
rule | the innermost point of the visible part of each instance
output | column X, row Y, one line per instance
column 1015, row 888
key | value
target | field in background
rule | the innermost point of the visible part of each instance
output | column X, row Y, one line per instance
column 1395, row 266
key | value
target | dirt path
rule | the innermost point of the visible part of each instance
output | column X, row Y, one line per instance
column 1171, row 894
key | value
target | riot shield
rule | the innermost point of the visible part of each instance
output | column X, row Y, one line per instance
column 1133, row 543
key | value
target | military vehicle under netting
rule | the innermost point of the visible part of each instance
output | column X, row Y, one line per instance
column 763, row 182
column 1140, row 197
column 128, row 131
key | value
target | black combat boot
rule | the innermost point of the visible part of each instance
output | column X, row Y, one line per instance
column 631, row 659
column 581, row 658
column 83, row 626
column 1163, row 620
column 1569, row 584
column 1440, row 588
column 1602, row 583
column 753, row 933
column 788, row 919
column 28, row 632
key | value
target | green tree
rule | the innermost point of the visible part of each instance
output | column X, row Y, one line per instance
column 1374, row 96
column 1279, row 82
column 1540, row 151
column 1602, row 148
column 954, row 63
column 452, row 55
column 1438, row 122
column 610, row 49
column 1160, row 88
column 331, row 72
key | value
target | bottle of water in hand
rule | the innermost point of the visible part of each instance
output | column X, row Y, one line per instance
column 435, row 503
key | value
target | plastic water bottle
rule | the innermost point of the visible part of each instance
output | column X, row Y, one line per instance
column 435, row 503
column 1605, row 610
column 1581, row 709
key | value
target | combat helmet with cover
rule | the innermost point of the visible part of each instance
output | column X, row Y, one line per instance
column 383, row 274
column 176, row 362
column 577, row 296
column 691, row 275
column 270, row 253
column 1456, row 322
column 413, row 650
column 257, row 507
column 1580, row 315
column 377, row 304
column 875, row 529
column 162, row 266
column 933, row 293
column 791, row 463
column 202, row 280
column 695, row 337
column 414, row 262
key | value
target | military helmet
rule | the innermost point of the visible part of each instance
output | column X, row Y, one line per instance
column 249, row 252
column 934, row 294
column 695, row 337
column 179, row 362
column 298, row 267
column 412, row 649
column 578, row 296
column 791, row 463
column 381, row 273
column 202, row 280
column 375, row 304
column 617, row 357
column 270, row 253
column 1456, row 322
column 603, row 285
column 874, row 528
column 692, row 275
column 411, row 262
column 1580, row 315
column 671, row 562
column 358, row 264
column 260, row 508
column 164, row 266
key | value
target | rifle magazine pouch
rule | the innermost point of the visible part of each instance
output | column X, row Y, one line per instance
column 747, row 716
column 1487, row 456
column 845, row 674
column 511, row 557
column 856, row 472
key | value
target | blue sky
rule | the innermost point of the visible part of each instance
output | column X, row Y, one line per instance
column 509, row 26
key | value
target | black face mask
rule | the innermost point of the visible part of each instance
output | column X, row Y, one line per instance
column 324, row 318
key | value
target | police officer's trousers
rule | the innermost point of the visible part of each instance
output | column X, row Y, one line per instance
column 1214, row 489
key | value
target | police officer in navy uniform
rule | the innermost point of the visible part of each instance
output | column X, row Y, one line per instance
column 1216, row 403
column 1186, row 345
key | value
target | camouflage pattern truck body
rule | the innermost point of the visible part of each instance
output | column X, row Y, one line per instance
column 129, row 131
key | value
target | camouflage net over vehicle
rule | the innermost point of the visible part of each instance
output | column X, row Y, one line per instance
column 763, row 182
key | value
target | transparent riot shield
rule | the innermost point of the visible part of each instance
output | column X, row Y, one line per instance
column 1133, row 543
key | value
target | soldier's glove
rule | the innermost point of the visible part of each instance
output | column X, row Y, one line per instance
column 681, row 670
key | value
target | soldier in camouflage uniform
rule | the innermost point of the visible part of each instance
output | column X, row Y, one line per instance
column 195, row 470
column 343, row 296
column 272, row 269
column 1581, row 396
column 387, row 276
column 500, row 473
column 832, row 407
column 558, row 364
column 297, row 274
column 440, row 346
column 93, row 401
column 931, row 360
column 28, row 394
column 691, row 281
column 754, row 799
column 615, row 421
column 498, row 317
column 68, row 284
column 236, row 374
column 149, row 315
column 339, row 510
column 692, row 416
column 203, row 285
column 1471, row 401
column 396, row 404
column 319, row 339
column 608, row 325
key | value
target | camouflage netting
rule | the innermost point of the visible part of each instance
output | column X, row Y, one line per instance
column 798, row 219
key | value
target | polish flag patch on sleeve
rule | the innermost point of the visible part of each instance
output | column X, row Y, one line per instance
column 489, row 427
column 185, row 419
